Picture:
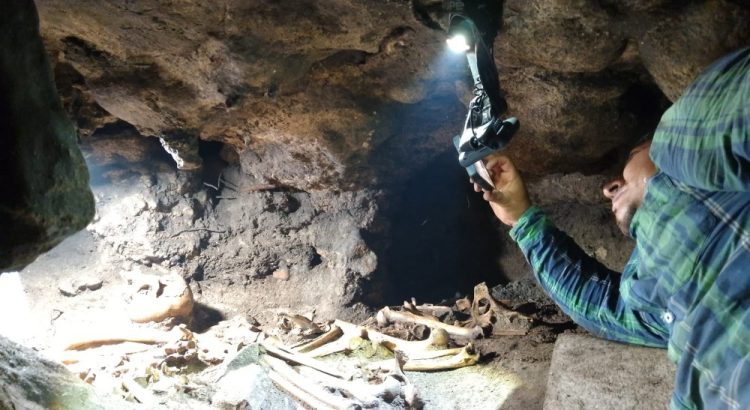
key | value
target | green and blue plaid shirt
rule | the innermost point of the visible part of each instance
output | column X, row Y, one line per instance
column 687, row 283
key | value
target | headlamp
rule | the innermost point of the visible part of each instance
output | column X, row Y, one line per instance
column 458, row 43
column 461, row 35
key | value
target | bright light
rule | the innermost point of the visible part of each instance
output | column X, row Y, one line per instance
column 16, row 324
column 458, row 43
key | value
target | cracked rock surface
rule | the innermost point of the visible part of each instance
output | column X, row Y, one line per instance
column 347, row 93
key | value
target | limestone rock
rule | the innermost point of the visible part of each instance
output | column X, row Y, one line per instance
column 589, row 373
column 45, row 195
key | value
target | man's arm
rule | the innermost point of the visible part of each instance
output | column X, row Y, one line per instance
column 584, row 288
column 703, row 140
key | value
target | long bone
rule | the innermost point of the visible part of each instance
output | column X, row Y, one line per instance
column 303, row 388
column 465, row 356
column 368, row 394
column 438, row 339
column 281, row 353
column 386, row 316
column 427, row 308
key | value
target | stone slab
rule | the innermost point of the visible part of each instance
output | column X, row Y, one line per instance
column 591, row 373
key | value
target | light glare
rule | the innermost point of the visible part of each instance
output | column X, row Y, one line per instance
column 458, row 43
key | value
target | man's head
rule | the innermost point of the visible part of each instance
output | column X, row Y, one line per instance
column 627, row 191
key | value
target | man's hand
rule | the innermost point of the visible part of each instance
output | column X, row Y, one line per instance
column 509, row 200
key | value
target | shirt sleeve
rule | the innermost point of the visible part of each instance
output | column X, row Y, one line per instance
column 703, row 140
column 585, row 289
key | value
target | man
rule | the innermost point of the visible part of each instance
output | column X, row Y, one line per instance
column 687, row 205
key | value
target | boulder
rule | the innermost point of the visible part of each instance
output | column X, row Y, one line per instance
column 683, row 44
column 28, row 381
column 591, row 373
column 45, row 196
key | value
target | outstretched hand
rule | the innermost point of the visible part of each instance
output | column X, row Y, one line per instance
column 509, row 200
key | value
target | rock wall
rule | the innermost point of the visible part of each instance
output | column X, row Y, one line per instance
column 44, row 196
column 332, row 113
column 28, row 381
column 344, row 93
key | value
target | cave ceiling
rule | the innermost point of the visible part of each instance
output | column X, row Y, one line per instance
column 341, row 94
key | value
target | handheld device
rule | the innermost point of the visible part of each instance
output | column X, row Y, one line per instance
column 484, row 130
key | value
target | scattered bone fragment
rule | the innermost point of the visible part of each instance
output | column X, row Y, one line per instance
column 463, row 305
column 291, row 321
column 499, row 320
column 107, row 336
column 466, row 356
column 304, row 389
column 437, row 340
column 369, row 394
column 154, row 298
column 75, row 286
column 139, row 393
column 386, row 316
column 281, row 274
column 277, row 351
column 334, row 333
column 212, row 350
column 436, row 311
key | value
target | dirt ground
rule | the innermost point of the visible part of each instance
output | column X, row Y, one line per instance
column 511, row 374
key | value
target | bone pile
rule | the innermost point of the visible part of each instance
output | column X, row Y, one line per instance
column 420, row 337
column 336, row 365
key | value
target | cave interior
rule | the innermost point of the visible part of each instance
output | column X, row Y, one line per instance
column 195, row 190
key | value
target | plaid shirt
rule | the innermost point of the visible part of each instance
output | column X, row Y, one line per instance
column 687, row 283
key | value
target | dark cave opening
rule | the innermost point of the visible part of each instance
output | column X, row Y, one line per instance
column 213, row 164
column 443, row 237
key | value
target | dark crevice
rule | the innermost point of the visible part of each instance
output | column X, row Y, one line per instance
column 443, row 239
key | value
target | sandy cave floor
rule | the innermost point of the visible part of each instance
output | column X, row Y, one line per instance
column 512, row 373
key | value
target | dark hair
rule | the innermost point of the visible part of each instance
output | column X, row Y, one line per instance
column 643, row 139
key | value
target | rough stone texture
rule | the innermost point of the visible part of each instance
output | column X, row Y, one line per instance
column 44, row 195
column 230, row 247
column 579, row 73
column 570, row 119
column 676, row 49
column 29, row 382
column 246, row 385
column 345, row 93
column 590, row 373
column 306, row 90
column 561, row 36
